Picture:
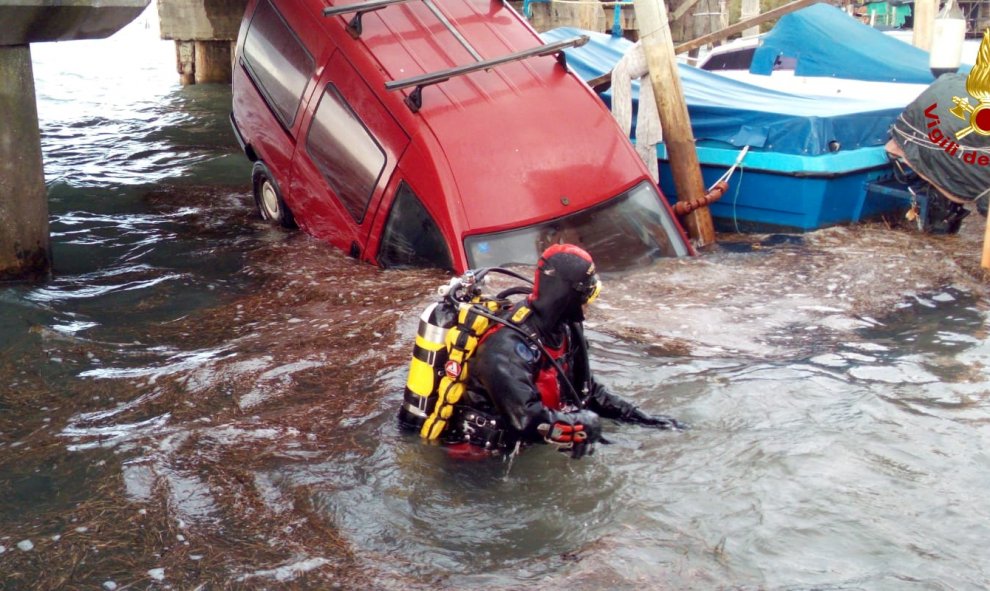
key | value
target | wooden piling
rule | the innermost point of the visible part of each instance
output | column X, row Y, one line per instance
column 658, row 46
column 749, row 9
column 924, row 23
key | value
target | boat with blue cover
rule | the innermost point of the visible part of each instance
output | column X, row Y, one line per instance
column 812, row 160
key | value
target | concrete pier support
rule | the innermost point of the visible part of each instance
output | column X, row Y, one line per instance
column 204, row 32
column 25, row 249
column 25, row 252
column 203, row 62
column 213, row 61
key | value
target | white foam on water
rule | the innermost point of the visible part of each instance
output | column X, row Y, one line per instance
column 287, row 572
column 112, row 435
column 899, row 373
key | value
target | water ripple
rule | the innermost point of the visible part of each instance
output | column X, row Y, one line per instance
column 77, row 291
column 91, row 437
column 185, row 361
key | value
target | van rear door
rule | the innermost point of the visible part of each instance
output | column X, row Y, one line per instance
column 347, row 153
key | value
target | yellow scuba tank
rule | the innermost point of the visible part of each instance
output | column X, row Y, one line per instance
column 426, row 367
column 461, row 341
column 449, row 331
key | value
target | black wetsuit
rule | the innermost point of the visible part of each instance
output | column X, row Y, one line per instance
column 502, row 386
column 511, row 394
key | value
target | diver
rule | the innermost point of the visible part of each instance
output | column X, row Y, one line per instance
column 530, row 380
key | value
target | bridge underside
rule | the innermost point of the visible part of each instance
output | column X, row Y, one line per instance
column 36, row 21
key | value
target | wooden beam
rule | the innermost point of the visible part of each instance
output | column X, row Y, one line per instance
column 601, row 83
column 743, row 25
column 658, row 46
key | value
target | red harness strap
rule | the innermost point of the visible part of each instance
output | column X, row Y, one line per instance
column 548, row 382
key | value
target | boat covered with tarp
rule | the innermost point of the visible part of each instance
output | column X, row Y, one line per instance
column 823, row 41
column 809, row 159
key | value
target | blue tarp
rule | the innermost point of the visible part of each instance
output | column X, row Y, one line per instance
column 826, row 41
column 726, row 112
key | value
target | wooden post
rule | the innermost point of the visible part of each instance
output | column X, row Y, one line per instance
column 658, row 46
column 924, row 22
column 750, row 8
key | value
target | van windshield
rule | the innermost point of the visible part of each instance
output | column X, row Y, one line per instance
column 628, row 231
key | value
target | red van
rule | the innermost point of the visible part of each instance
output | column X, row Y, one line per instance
column 437, row 133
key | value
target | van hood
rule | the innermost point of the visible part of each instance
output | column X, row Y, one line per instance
column 533, row 152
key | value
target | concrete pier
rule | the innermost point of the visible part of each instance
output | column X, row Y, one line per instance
column 204, row 32
column 25, row 251
column 24, row 244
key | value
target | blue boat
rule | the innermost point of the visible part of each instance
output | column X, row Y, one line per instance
column 812, row 161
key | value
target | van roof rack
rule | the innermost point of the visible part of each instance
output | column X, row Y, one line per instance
column 415, row 99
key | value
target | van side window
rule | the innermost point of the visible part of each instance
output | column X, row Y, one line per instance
column 345, row 152
column 411, row 237
column 277, row 61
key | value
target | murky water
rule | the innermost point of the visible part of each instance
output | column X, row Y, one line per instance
column 198, row 401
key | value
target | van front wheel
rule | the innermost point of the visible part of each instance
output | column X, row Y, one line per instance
column 268, row 197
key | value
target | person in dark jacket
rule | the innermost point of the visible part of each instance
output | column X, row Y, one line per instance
column 531, row 382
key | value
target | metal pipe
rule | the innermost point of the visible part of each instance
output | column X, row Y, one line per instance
column 450, row 27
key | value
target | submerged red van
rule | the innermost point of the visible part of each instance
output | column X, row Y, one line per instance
column 436, row 133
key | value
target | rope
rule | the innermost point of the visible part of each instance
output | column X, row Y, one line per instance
column 715, row 192
column 728, row 173
column 735, row 198
column 920, row 138
column 713, row 195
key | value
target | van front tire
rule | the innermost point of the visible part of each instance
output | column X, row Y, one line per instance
column 268, row 197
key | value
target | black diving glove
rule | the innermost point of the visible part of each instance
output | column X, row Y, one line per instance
column 574, row 432
column 662, row 422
